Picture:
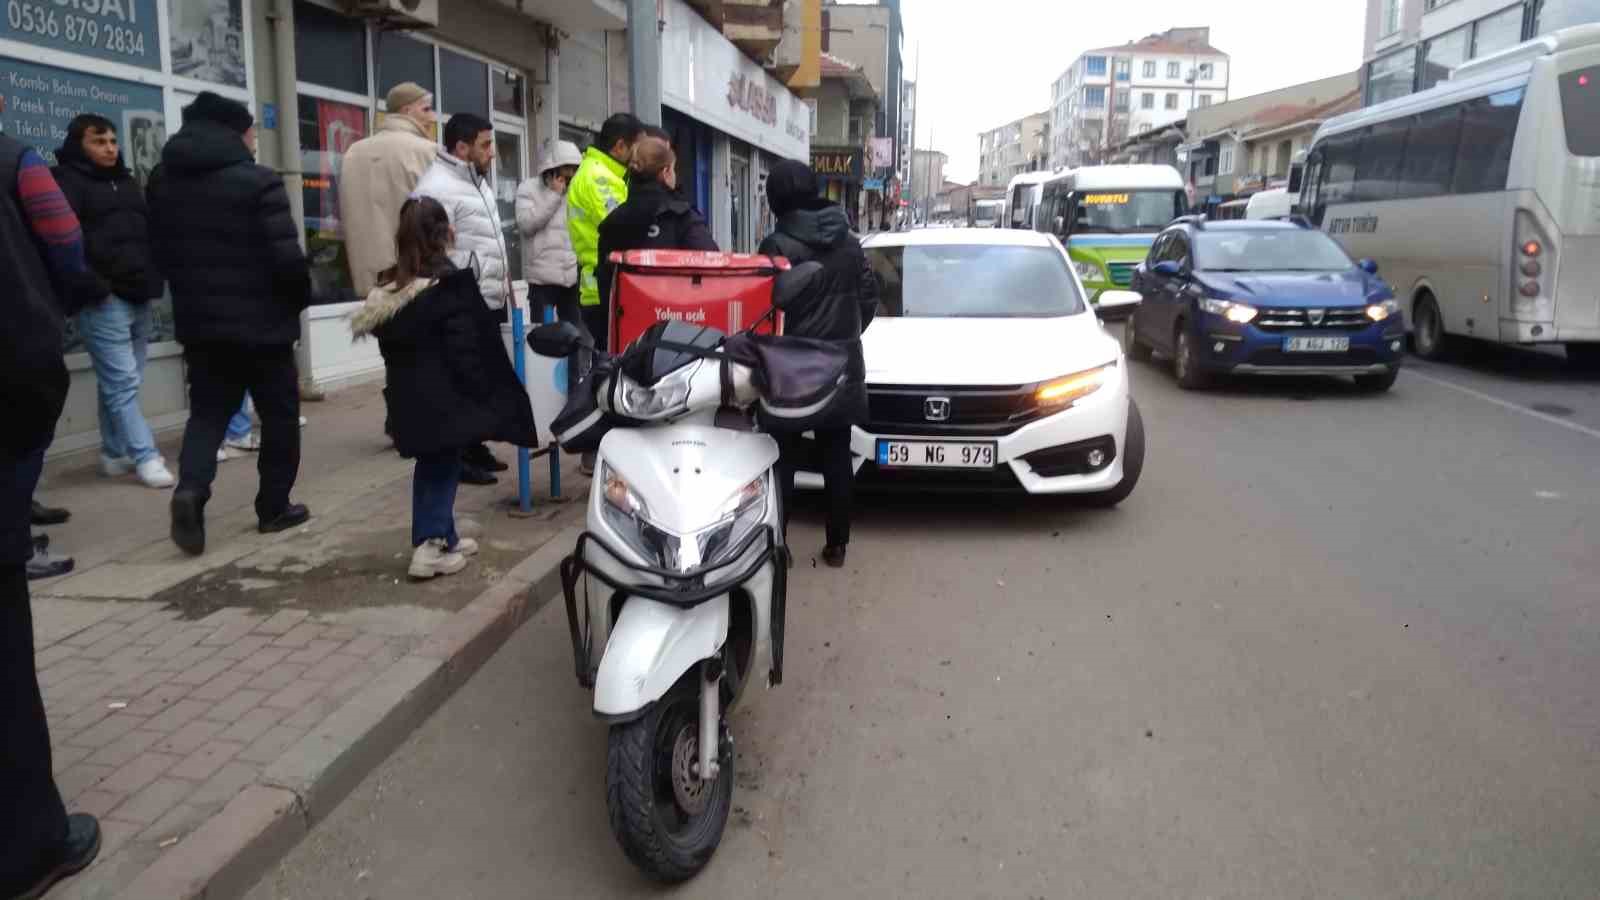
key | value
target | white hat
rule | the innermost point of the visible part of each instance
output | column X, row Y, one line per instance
column 566, row 154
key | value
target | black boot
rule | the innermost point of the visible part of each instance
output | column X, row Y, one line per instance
column 188, row 523
column 73, row 856
column 480, row 457
column 833, row 555
column 294, row 514
column 43, row 565
column 49, row 515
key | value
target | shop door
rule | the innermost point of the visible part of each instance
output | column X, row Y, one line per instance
column 509, row 169
column 739, row 190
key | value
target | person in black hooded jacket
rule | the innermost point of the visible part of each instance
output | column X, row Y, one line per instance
column 116, row 327
column 838, row 308
column 227, row 243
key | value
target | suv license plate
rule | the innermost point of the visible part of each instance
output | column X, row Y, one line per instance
column 1316, row 344
column 935, row 455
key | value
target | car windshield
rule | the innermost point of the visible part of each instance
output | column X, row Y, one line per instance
column 1124, row 212
column 1289, row 249
column 974, row 281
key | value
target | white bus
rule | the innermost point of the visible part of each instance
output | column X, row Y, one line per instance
column 1022, row 199
column 1479, row 198
column 986, row 213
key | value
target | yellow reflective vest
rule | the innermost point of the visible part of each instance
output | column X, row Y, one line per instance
column 599, row 187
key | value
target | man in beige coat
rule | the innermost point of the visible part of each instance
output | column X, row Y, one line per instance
column 378, row 174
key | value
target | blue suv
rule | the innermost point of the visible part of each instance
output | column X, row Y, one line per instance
column 1263, row 298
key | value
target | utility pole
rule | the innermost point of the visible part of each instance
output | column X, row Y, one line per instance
column 917, row 103
column 644, row 61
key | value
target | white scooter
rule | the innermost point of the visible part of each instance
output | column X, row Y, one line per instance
column 675, row 595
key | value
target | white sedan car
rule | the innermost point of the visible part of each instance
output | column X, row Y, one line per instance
column 988, row 370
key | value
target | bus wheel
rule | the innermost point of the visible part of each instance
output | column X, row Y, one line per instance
column 1584, row 356
column 1427, row 335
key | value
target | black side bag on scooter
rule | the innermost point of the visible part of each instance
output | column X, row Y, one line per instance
column 805, row 383
column 581, row 424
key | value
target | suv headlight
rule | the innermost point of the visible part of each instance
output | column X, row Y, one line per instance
column 1065, row 391
column 627, row 514
column 1383, row 309
column 1087, row 271
column 1241, row 313
column 742, row 514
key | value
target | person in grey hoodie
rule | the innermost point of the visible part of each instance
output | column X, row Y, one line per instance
column 549, row 262
column 838, row 308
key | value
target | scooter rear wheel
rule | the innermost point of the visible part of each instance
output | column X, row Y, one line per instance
column 667, row 820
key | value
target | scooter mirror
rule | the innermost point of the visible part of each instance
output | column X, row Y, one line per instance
column 556, row 340
column 795, row 283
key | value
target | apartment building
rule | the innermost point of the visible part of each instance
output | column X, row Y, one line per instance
column 1013, row 148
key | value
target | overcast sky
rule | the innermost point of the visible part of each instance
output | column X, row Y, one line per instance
column 987, row 62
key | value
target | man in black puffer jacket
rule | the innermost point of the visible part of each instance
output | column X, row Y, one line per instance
column 227, row 242
column 837, row 308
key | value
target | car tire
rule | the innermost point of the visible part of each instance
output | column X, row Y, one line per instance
column 1584, row 357
column 1377, row 384
column 1184, row 365
column 1132, row 464
column 1428, row 338
column 1131, row 347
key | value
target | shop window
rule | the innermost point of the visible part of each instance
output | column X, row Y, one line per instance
column 403, row 59
column 327, row 129
column 465, row 84
column 206, row 38
column 1442, row 55
column 330, row 50
column 507, row 92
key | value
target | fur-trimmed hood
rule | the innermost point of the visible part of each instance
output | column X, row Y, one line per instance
column 383, row 304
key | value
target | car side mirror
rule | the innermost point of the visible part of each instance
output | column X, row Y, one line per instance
column 1168, row 269
column 1369, row 266
column 795, row 283
column 1117, row 300
column 556, row 339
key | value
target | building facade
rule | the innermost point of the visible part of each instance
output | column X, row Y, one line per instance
column 871, row 38
column 1012, row 149
column 927, row 180
column 841, row 148
column 1112, row 93
column 1412, row 45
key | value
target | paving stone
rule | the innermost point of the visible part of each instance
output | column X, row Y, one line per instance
column 190, row 658
column 365, row 646
column 340, row 633
column 63, row 670
column 150, row 622
column 202, row 672
column 204, row 762
column 107, row 730
column 230, row 632
column 179, row 822
column 312, row 713
column 134, row 688
column 190, row 737
column 334, row 667
column 236, row 705
column 96, row 803
column 161, row 633
column 178, row 715
column 142, row 770
column 244, row 646
column 314, row 652
column 223, row 685
column 92, row 634
column 106, row 646
column 158, row 699
column 295, row 694
column 79, row 721
column 122, row 751
column 262, row 660
column 300, row 635
column 154, row 800
column 49, row 656
column 127, row 654
column 64, row 757
column 252, row 724
column 81, row 777
column 224, row 786
column 272, row 744
column 276, row 678
column 282, row 621
column 173, row 645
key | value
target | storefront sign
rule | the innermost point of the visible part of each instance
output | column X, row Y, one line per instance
column 882, row 152
column 845, row 164
column 872, row 184
column 122, row 31
column 42, row 100
column 704, row 76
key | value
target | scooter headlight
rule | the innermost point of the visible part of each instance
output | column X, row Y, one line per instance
column 666, row 397
column 627, row 514
column 743, row 513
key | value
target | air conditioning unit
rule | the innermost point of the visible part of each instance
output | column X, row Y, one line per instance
column 398, row 14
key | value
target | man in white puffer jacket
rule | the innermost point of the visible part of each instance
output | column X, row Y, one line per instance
column 459, row 180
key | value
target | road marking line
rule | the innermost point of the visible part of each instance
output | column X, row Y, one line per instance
column 1490, row 398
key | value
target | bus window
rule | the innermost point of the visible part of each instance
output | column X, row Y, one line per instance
column 1311, row 187
column 1339, row 167
column 1488, row 129
column 1430, row 153
column 1580, row 106
column 1378, row 167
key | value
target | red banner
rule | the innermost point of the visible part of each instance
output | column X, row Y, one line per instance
column 338, row 126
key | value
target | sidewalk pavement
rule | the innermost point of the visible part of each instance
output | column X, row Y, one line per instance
column 210, row 710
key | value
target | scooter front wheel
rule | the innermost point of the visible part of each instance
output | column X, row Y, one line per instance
column 668, row 821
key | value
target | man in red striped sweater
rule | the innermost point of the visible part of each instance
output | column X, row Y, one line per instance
column 41, row 250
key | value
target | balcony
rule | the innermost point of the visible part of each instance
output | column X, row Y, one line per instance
column 754, row 26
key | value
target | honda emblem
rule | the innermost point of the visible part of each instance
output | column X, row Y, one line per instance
column 1315, row 315
column 936, row 409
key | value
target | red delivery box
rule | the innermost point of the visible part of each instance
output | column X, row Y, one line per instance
column 726, row 291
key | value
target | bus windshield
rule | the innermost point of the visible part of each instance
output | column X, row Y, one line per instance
column 1125, row 212
column 986, row 212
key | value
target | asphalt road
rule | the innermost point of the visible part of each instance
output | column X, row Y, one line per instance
column 1334, row 646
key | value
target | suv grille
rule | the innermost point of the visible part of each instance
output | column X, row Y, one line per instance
column 980, row 410
column 1345, row 318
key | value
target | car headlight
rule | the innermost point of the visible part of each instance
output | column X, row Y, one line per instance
column 1067, row 390
column 1241, row 313
column 742, row 514
column 1381, row 310
column 627, row 514
column 667, row 396
column 1087, row 271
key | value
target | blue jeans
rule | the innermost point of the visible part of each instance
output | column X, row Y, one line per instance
column 240, row 426
column 433, row 497
column 117, row 335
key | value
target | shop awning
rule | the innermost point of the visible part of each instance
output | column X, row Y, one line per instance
column 574, row 15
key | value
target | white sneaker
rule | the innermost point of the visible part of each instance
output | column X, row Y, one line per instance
column 250, row 443
column 302, row 421
column 154, row 474
column 433, row 558
column 114, row 466
column 465, row 546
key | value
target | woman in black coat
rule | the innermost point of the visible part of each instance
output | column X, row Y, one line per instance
column 450, row 382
